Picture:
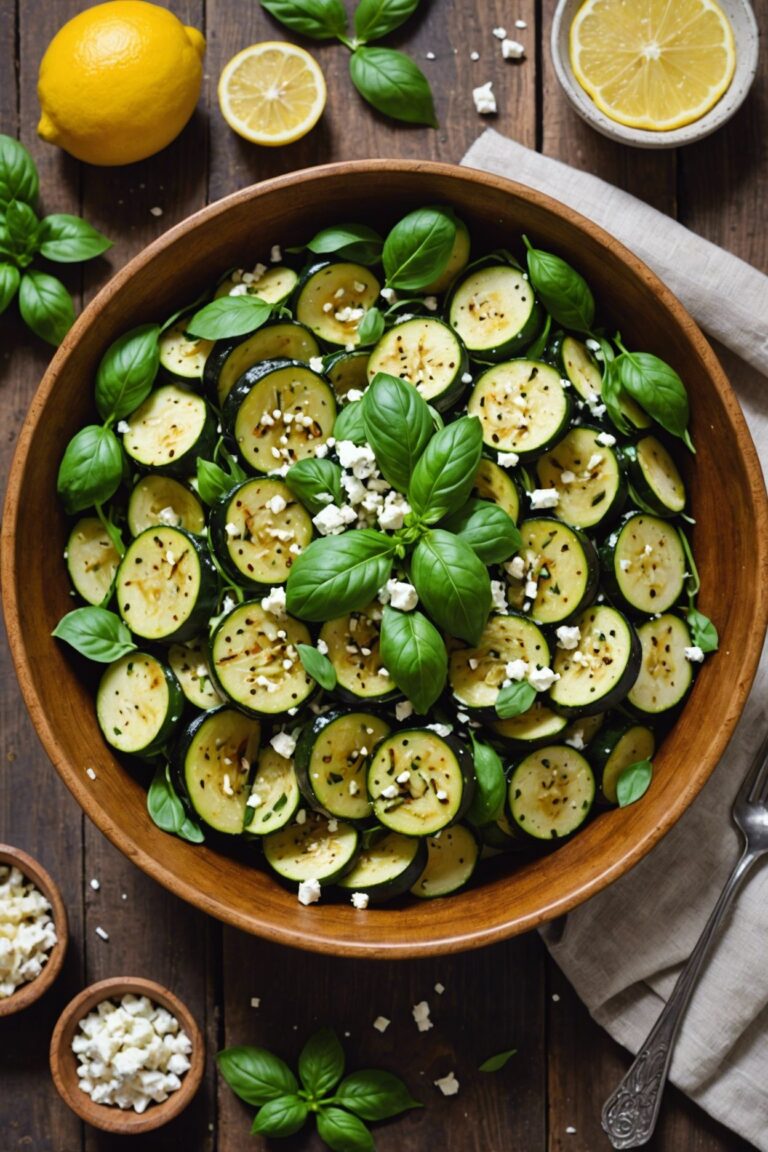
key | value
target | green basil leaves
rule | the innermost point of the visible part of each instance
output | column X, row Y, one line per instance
column 398, row 426
column 127, row 372
column 393, row 85
column 418, row 248
column 453, row 584
column 96, row 634
column 355, row 242
column 229, row 316
column 445, row 474
column 414, row 654
column 633, row 782
column 515, row 699
column 91, row 468
column 336, row 575
column 317, row 483
column 318, row 666
column 562, row 290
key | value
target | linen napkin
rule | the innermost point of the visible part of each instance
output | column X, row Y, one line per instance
column 624, row 949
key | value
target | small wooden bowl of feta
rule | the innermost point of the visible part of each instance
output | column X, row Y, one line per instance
column 33, row 930
column 126, row 1055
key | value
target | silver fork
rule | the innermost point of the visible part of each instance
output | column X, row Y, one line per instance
column 629, row 1115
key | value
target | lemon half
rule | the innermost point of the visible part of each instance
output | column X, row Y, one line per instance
column 272, row 93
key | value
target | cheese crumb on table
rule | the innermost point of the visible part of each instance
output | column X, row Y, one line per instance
column 27, row 932
column 485, row 101
column 448, row 1085
column 421, row 1016
column 512, row 49
column 381, row 1023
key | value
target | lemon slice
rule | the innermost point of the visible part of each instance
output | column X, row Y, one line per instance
column 272, row 93
column 660, row 64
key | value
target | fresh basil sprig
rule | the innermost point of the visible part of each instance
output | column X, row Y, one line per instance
column 127, row 372
column 318, row 19
column 318, row 666
column 657, row 388
column 418, row 248
column 91, row 468
column 490, row 784
column 336, row 575
column 563, row 291
column 444, row 474
column 355, row 242
column 490, row 531
column 167, row 811
column 398, row 427
column 68, row 239
column 633, row 782
column 393, row 84
column 213, row 481
column 229, row 316
column 413, row 652
column 350, row 424
column 316, row 482
column 703, row 631
column 515, row 699
column 452, row 583
column 96, row 633
column 371, row 327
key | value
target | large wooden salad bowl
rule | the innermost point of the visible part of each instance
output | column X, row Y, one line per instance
column 730, row 539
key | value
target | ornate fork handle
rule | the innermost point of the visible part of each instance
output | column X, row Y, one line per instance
column 630, row 1113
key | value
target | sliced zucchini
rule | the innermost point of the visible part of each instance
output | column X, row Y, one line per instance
column 562, row 563
column 92, row 560
column 332, row 298
column 428, row 354
column 138, row 704
column 277, row 340
column 317, row 849
column 278, row 412
column 665, row 673
column 583, row 729
column 452, row 858
column 493, row 483
column 160, row 499
column 258, row 529
column 655, row 476
column 330, row 761
column 615, row 749
column 538, row 725
column 522, row 407
column 644, row 563
column 420, row 782
column 166, row 585
column 457, row 261
column 273, row 284
column 274, row 797
column 587, row 476
column 387, row 867
column 494, row 310
column 551, row 792
column 255, row 662
column 183, row 355
column 598, row 673
column 578, row 363
column 348, row 371
column 170, row 430
column 215, row 761
column 189, row 663
column 501, row 836
column 353, row 649
column 477, row 674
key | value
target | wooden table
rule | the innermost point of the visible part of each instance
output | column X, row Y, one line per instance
column 511, row 995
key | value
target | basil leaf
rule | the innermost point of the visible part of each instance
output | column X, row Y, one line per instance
column 336, row 575
column 375, row 1095
column 255, row 1075
column 398, row 427
column 444, row 475
column 68, row 238
column 610, row 394
column 394, row 85
column 418, row 248
column 127, row 372
column 318, row 19
column 371, row 328
column 656, row 387
column 95, row 633
column 318, row 666
column 413, row 651
column 163, row 805
column 496, row 1063
column 321, row 1063
column 343, row 1132
column 355, row 242
column 490, row 531
column 703, row 631
column 490, row 784
column 229, row 316
column 562, row 290
column 91, row 468
column 452, row 583
column 22, row 226
column 18, row 174
column 537, row 350
column 349, row 424
column 633, row 782
column 515, row 699
column 190, row 830
column 377, row 18
column 317, row 483
column 10, row 278
column 212, row 481
column 46, row 307
column 280, row 1117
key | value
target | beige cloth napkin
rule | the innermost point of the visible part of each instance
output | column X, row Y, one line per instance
column 623, row 950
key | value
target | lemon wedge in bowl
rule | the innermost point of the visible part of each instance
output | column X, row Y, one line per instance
column 272, row 93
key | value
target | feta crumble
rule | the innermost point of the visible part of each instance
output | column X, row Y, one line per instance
column 485, row 101
column 499, row 596
column 274, row 602
column 512, row 49
column 542, row 679
column 284, row 744
column 421, row 1016
column 309, row 892
column 381, row 1023
column 500, row 33
column 516, row 669
column 544, row 498
column 27, row 932
column 331, row 521
column 399, row 594
column 359, row 900
column 694, row 654
column 508, row 459
column 568, row 637
column 448, row 1085
column 606, row 439
column 403, row 710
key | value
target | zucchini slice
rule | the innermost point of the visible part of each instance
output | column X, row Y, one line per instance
column 420, row 782
column 255, row 662
column 493, row 483
column 317, row 849
column 665, row 673
column 614, row 750
column 599, row 672
column 537, row 725
column 258, row 529
column 215, row 762
column 655, row 476
column 387, row 867
column 278, row 412
column 189, row 663
column 579, row 365
column 494, row 310
column 273, row 284
column 170, row 430
column 551, row 792
column 160, row 499
column 274, row 797
column 330, row 762
column 353, row 649
column 452, row 857
column 182, row 355
column 428, row 354
column 522, row 407
column 166, row 585
column 477, row 674
column 332, row 298
column 348, row 371
column 92, row 560
column 277, row 340
column 138, row 704
column 587, row 476
column 562, row 563
column 644, row 563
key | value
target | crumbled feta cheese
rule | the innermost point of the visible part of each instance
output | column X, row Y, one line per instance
column 390, row 791
column 567, row 477
column 570, row 1130
column 301, row 816
column 606, row 439
column 544, row 498
column 430, row 303
column 358, row 458
column 331, row 521
column 403, row 710
column 254, row 800
column 531, row 589
column 508, row 459
column 123, row 427
column 474, row 55
column 274, row 602
column 275, row 254
column 309, row 892
column 226, row 785
column 500, row 33
column 381, row 1023
column 231, row 530
column 429, row 56
column 542, row 679
column 170, row 517
column 448, row 1085
column 485, row 101
column 516, row 669
column 402, row 595
column 648, row 550
column 277, row 504
column 102, row 932
column 694, row 654
column 520, row 24
column 516, row 568
column 95, row 884
column 255, row 1001
column 316, row 364
column 359, row 900
column 576, row 740
column 439, row 988
column 568, row 637
column 284, row 743
column 441, row 729
column 322, row 647
column 512, row 49
column 625, row 565
column 91, row 773
column 389, row 295
column 354, row 788
column 394, row 511
column 156, row 211
column 228, row 604
column 421, row 1016
column 593, row 462
column 27, row 931
column 499, row 596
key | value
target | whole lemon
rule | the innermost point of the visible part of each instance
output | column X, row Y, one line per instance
column 119, row 81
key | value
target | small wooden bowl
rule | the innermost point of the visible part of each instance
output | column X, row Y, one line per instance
column 26, row 994
column 64, row 1062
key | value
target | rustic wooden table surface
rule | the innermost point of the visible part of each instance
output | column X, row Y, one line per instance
column 510, row 995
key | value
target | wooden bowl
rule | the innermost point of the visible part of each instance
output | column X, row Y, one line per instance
column 64, row 1062
column 730, row 538
column 26, row 994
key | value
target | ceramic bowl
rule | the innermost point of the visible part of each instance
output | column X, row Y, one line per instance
column 732, row 553
column 26, row 994
column 64, row 1062
column 746, row 36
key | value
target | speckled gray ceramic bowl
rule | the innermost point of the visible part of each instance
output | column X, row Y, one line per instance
column 745, row 32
